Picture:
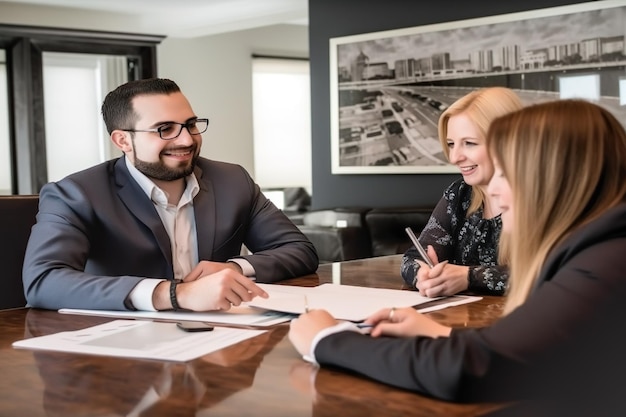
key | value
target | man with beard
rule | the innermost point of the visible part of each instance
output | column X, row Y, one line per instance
column 160, row 227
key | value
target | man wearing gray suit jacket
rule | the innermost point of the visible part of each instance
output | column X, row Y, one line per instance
column 161, row 227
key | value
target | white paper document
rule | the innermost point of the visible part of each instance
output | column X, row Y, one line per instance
column 140, row 339
column 241, row 315
column 346, row 302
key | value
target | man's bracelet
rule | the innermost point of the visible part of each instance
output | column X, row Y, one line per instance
column 173, row 298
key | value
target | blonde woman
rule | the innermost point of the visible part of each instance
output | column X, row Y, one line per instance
column 465, row 226
column 560, row 184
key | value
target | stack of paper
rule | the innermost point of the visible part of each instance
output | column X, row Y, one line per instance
column 346, row 302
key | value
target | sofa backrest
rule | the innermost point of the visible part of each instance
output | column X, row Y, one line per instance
column 343, row 234
column 338, row 217
column 386, row 228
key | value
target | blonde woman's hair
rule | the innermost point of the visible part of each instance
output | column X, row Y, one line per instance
column 566, row 164
column 482, row 107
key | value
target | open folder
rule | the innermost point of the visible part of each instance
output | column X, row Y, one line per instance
column 347, row 302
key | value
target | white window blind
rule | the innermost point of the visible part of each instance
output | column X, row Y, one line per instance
column 5, row 160
column 74, row 87
column 282, row 123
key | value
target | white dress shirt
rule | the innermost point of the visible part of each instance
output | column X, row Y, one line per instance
column 180, row 223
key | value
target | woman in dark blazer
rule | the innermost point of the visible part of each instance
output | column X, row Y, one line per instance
column 560, row 183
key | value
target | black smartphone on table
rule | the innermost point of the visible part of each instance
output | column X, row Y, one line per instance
column 194, row 326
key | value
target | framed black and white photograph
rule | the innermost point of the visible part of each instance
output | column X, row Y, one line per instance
column 389, row 88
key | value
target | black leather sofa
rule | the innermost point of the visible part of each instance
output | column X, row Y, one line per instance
column 343, row 234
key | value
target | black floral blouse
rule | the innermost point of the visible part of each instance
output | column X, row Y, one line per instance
column 471, row 241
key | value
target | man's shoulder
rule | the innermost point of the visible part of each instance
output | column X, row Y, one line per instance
column 97, row 178
column 95, row 183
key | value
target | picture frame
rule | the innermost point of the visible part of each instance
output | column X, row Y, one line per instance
column 389, row 88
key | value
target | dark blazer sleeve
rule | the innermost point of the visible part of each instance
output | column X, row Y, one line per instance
column 96, row 237
column 566, row 339
column 231, row 210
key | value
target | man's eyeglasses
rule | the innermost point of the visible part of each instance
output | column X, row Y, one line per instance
column 169, row 131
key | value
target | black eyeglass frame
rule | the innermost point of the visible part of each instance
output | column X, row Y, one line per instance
column 187, row 125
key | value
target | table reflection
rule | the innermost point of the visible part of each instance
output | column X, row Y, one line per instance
column 359, row 396
column 84, row 385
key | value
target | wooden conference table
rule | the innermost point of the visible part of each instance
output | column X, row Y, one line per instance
column 262, row 376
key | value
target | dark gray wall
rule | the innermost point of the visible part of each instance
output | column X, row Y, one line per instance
column 334, row 18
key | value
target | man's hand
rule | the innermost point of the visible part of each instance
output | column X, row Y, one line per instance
column 217, row 291
column 209, row 267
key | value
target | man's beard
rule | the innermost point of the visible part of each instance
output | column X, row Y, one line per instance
column 159, row 171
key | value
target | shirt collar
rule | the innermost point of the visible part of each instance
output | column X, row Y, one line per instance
column 155, row 193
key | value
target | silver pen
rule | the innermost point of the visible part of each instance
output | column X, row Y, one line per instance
column 419, row 247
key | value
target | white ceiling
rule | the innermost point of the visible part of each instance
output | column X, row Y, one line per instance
column 191, row 18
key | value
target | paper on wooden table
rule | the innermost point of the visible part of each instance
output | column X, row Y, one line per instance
column 139, row 339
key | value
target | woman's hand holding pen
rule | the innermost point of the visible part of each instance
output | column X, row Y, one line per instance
column 442, row 279
column 404, row 322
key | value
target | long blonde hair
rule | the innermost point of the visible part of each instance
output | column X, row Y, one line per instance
column 566, row 164
column 482, row 107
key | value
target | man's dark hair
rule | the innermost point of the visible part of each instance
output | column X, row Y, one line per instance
column 117, row 108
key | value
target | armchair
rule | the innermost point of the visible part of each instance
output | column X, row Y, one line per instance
column 17, row 216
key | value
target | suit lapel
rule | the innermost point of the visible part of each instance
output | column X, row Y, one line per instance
column 204, row 212
column 142, row 208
